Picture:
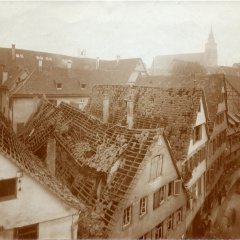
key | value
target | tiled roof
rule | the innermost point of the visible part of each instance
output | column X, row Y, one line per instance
column 82, row 70
column 90, row 143
column 211, row 84
column 175, row 110
column 76, row 82
column 33, row 166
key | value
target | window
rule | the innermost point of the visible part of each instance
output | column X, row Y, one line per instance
column 179, row 216
column 8, row 189
column 127, row 215
column 26, row 232
column 53, row 101
column 170, row 189
column 200, row 186
column 83, row 85
column 197, row 133
column 158, row 197
column 158, row 231
column 59, row 86
column 156, row 166
column 177, row 187
column 143, row 206
column 170, row 223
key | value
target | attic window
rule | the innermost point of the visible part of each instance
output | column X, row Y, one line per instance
column 197, row 133
column 8, row 189
column 83, row 86
column 59, row 86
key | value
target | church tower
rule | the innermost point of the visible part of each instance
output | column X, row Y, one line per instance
column 211, row 56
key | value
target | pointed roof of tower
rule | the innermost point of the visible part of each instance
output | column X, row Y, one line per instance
column 211, row 36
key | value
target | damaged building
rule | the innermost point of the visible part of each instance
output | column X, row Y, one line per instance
column 33, row 202
column 127, row 177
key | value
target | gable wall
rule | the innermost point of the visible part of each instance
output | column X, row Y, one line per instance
column 34, row 204
column 145, row 187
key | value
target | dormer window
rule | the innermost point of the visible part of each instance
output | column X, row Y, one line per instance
column 17, row 55
column 83, row 86
column 59, row 86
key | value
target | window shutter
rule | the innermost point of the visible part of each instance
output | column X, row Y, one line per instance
column 177, row 187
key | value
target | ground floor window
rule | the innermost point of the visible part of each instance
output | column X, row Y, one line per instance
column 26, row 232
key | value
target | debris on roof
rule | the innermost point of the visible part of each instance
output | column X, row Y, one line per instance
column 16, row 151
column 175, row 110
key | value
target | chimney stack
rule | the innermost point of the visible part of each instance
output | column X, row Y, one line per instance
column 97, row 63
column 130, row 113
column 40, row 63
column 69, row 65
column 118, row 58
column 13, row 52
column 51, row 155
column 105, row 107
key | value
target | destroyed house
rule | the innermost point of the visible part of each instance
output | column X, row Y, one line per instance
column 33, row 202
column 115, row 170
column 182, row 112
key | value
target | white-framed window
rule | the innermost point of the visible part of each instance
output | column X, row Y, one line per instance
column 159, row 197
column 143, row 206
column 177, row 187
column 158, row 231
column 170, row 223
column 197, row 133
column 127, row 216
column 179, row 216
column 170, row 189
column 156, row 166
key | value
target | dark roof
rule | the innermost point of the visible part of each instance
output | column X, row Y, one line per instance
column 211, row 84
column 74, row 83
column 15, row 150
column 175, row 110
column 24, row 77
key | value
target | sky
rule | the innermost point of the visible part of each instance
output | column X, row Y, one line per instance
column 128, row 29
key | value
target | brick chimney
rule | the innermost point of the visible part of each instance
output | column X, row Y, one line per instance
column 51, row 155
column 105, row 107
column 40, row 62
column 130, row 113
column 13, row 52
column 69, row 65
column 118, row 58
column 4, row 76
column 97, row 63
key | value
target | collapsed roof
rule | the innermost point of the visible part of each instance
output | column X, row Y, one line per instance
column 175, row 110
column 17, row 152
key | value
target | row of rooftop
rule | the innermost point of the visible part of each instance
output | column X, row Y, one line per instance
column 94, row 147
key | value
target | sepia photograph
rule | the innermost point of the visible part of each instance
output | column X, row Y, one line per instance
column 119, row 120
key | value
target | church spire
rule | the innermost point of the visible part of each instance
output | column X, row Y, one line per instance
column 211, row 50
column 211, row 36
